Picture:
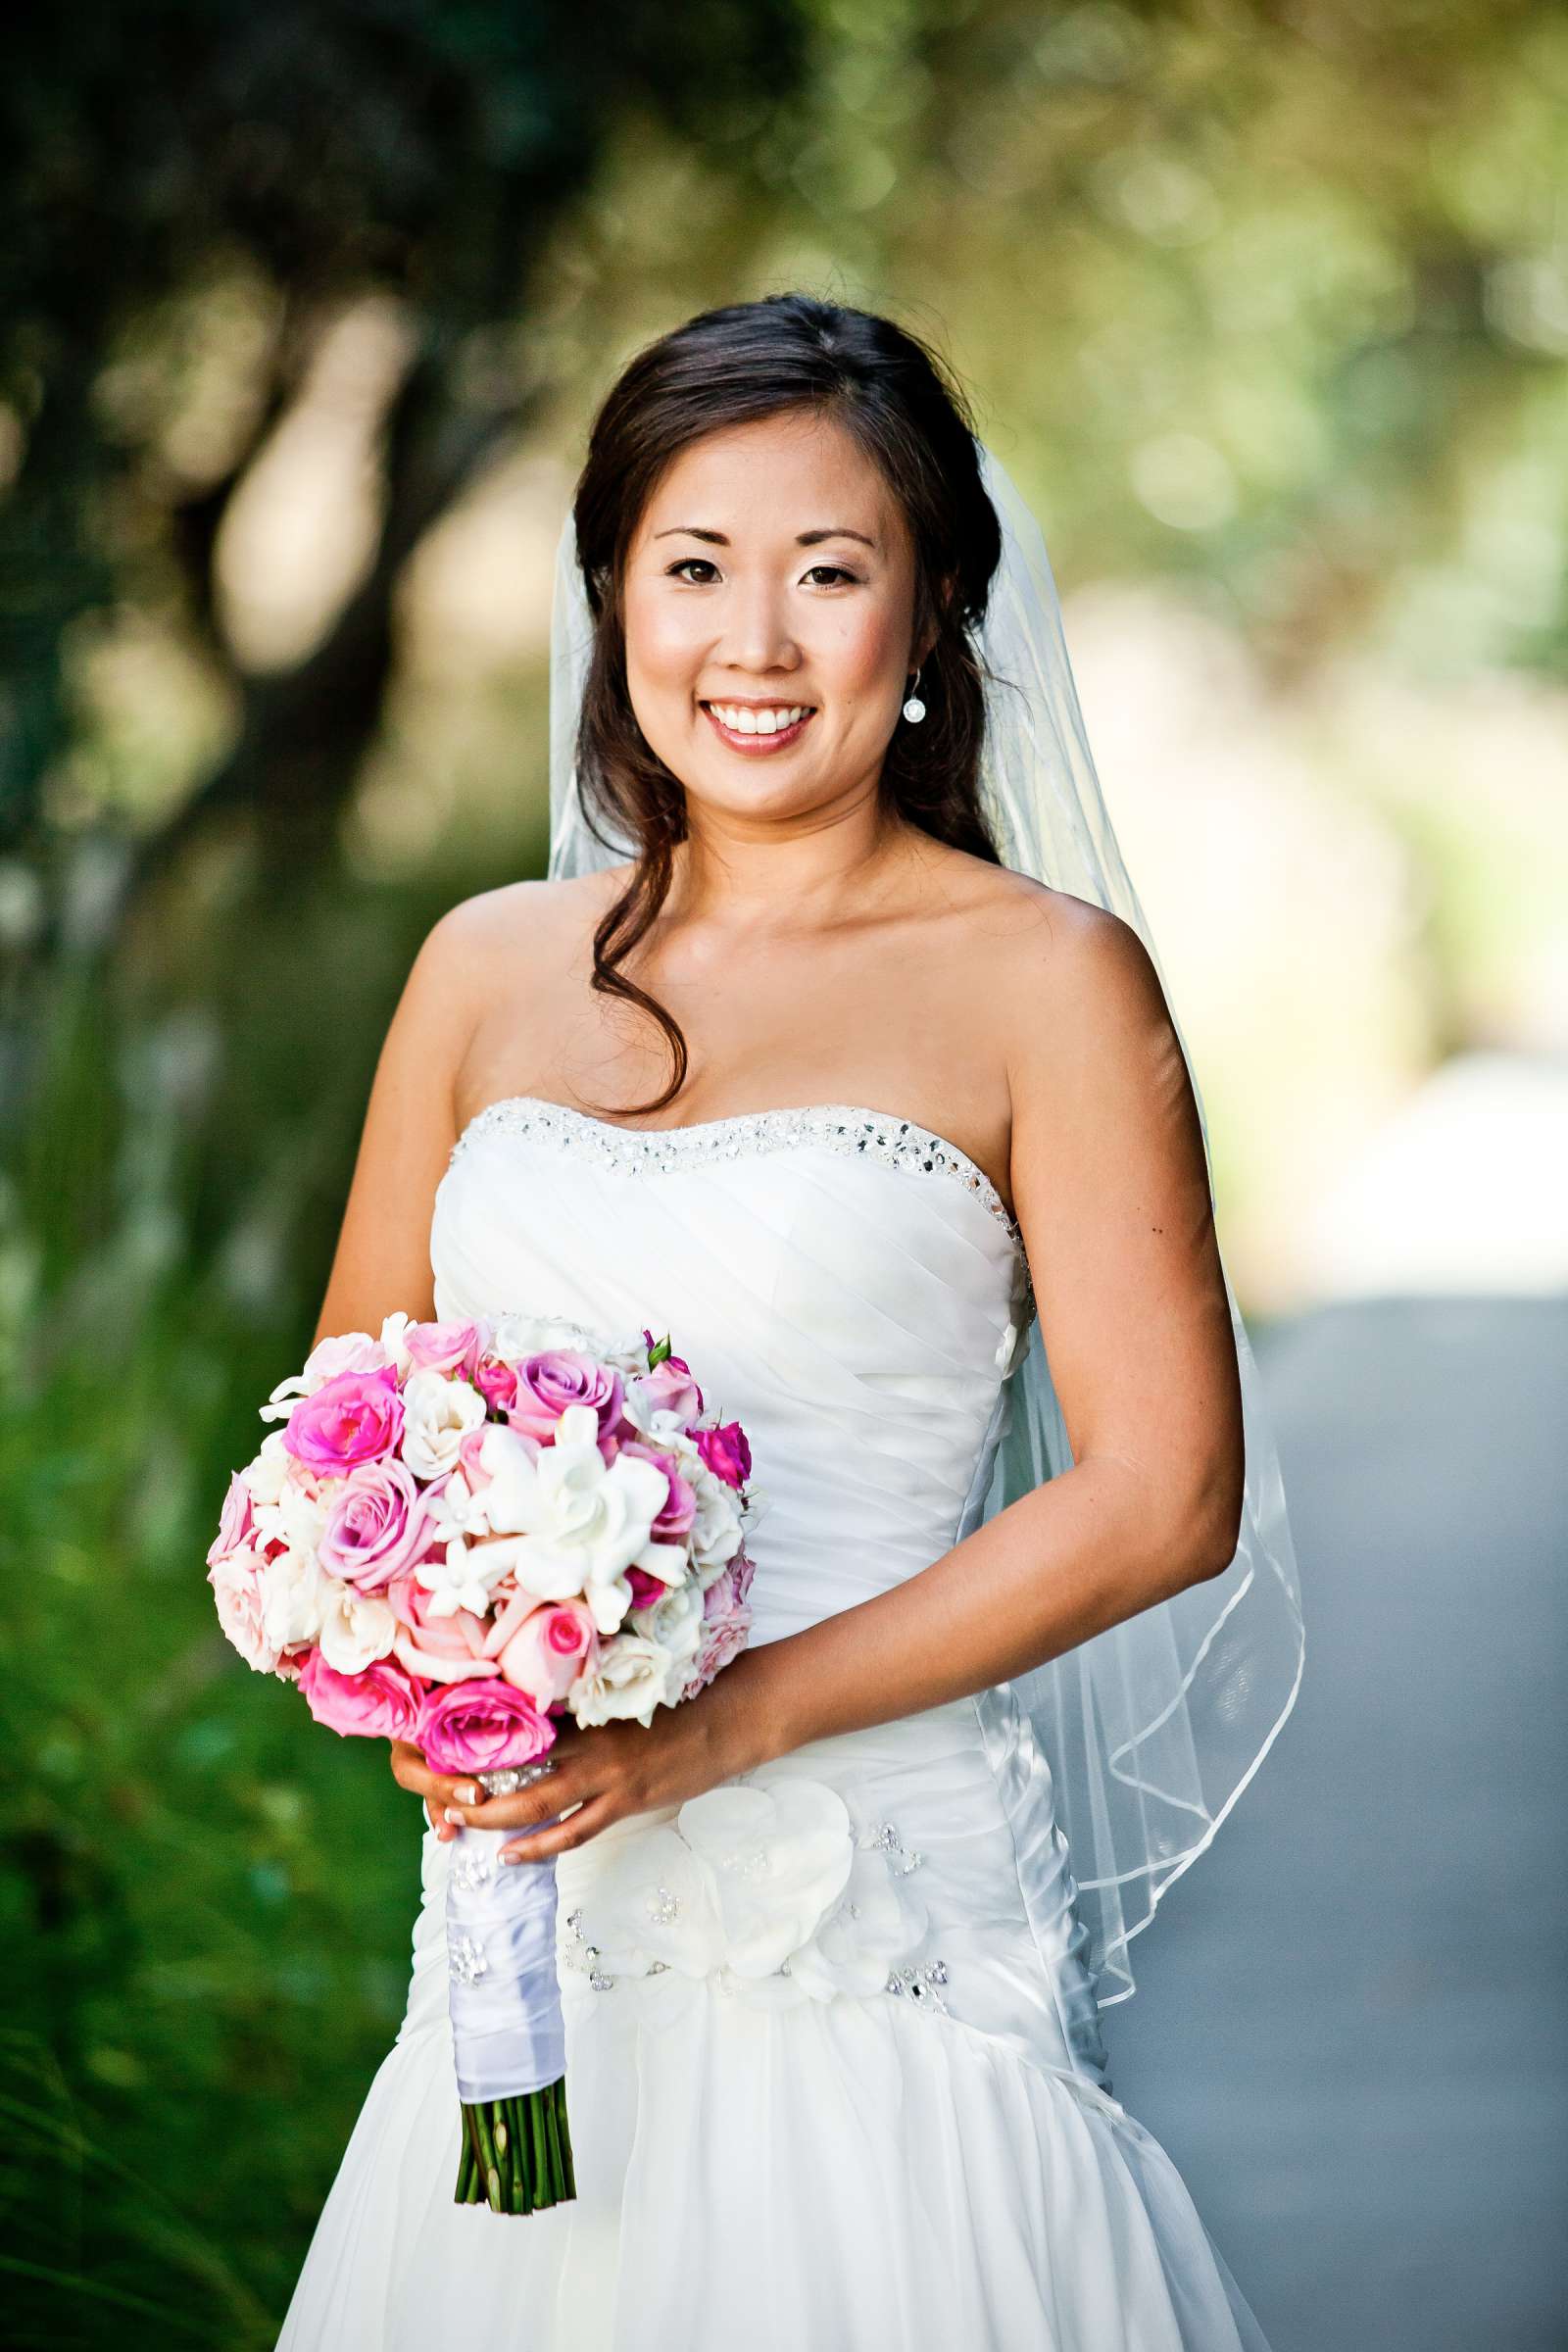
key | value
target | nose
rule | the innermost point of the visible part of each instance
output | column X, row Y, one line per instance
column 757, row 637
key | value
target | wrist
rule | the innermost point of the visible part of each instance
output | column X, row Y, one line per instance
column 759, row 1709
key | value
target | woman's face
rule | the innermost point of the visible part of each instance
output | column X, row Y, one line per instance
column 772, row 573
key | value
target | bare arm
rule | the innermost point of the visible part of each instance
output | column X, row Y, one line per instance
column 382, row 1260
column 1112, row 1191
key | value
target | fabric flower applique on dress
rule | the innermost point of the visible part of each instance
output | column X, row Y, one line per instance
column 769, row 1888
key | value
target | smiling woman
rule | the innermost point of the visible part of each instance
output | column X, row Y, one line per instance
column 825, row 1962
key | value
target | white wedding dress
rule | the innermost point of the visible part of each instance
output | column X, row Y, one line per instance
column 931, row 2160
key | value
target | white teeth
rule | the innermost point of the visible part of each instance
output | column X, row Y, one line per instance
column 742, row 720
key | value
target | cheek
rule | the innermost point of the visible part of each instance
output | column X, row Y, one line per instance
column 662, row 646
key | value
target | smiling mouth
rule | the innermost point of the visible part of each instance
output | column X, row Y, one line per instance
column 752, row 729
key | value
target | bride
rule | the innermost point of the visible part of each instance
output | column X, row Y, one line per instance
column 835, row 1044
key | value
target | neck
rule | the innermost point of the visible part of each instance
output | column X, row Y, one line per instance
column 783, row 873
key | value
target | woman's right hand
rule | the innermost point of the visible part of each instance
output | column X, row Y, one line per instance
column 438, row 1788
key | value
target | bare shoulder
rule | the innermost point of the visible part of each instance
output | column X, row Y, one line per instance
column 1034, row 947
column 521, row 921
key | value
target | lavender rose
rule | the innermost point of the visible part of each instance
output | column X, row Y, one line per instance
column 548, row 1384
column 380, row 1522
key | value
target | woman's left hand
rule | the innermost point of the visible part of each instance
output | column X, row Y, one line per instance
column 620, row 1768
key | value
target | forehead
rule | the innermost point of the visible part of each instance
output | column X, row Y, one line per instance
column 772, row 478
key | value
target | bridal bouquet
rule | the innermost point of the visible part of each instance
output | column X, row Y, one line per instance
column 463, row 1532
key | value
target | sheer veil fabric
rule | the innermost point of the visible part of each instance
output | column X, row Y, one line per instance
column 1153, row 1729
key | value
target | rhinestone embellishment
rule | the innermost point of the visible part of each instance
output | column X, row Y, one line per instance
column 901, row 1858
column 466, row 1961
column 873, row 1135
column 473, row 1865
column 662, row 1906
column 920, row 1984
column 584, row 1956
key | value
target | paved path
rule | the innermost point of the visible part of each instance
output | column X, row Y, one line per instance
column 1374, row 2124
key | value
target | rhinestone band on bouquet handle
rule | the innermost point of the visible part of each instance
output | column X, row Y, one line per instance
column 464, row 1532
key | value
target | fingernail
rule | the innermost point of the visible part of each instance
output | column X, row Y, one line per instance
column 454, row 1815
column 467, row 1796
column 506, row 1855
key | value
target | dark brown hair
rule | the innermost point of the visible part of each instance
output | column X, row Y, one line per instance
column 891, row 391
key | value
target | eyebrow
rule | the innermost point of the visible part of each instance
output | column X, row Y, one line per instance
column 693, row 530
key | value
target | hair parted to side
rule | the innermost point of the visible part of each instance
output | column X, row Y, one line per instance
column 733, row 365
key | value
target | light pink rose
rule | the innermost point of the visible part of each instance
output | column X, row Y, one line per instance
column 237, row 1584
column 356, row 1418
column 379, row 1525
column 482, row 1727
column 670, row 1387
column 550, row 1648
column 547, row 1384
column 445, row 1346
column 381, row 1704
column 234, row 1522
column 680, row 1509
column 438, row 1649
column 727, row 1452
column 727, row 1623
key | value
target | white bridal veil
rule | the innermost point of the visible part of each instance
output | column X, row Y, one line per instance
column 1155, row 1727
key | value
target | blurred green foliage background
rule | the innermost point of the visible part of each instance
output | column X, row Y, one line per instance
column 305, row 311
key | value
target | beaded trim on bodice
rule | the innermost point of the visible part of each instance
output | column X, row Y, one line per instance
column 873, row 1135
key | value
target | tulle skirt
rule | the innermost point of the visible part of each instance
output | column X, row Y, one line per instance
column 857, row 2173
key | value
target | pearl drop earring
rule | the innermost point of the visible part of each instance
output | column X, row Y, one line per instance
column 914, row 709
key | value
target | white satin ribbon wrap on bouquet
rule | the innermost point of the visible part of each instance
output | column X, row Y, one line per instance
column 508, row 2031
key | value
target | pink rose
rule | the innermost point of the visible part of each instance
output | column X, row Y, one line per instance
column 237, row 1584
column 482, row 1727
column 680, row 1509
column 381, row 1704
column 445, row 1346
column 438, row 1649
column 357, row 1417
column 550, row 1648
column 548, row 1384
column 727, row 1623
column 496, row 1382
column 234, row 1522
column 727, row 1452
column 379, row 1525
column 646, row 1588
column 670, row 1387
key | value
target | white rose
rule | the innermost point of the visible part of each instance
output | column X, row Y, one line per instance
column 631, row 1679
column 675, row 1623
column 355, row 1627
column 438, row 1413
column 716, row 1528
column 579, row 1523
column 265, row 1476
column 294, row 1596
column 517, row 1335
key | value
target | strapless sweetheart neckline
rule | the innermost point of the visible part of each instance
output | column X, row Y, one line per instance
column 856, row 1126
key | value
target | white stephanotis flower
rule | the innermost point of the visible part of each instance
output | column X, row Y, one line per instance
column 462, row 1576
column 775, row 1860
column 394, row 1338
column 298, row 1517
column 357, row 1628
column 294, row 1597
column 438, row 1413
column 630, row 1679
column 569, row 1524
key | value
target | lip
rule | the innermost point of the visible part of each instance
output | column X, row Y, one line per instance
column 756, row 747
